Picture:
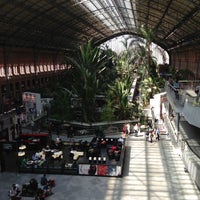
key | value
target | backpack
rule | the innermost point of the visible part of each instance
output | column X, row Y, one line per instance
column 43, row 181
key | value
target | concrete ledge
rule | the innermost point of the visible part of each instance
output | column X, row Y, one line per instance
column 192, row 164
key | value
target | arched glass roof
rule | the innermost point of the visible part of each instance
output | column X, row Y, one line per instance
column 62, row 24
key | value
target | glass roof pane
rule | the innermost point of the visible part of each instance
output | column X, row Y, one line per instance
column 97, row 4
column 105, row 10
column 99, row 18
column 92, row 7
column 127, row 4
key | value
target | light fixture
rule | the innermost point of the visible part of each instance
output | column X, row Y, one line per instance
column 21, row 153
column 22, row 147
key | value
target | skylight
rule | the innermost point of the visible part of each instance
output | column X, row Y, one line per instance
column 107, row 12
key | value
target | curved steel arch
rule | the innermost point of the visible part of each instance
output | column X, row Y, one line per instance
column 64, row 24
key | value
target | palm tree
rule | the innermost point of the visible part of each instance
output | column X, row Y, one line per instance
column 119, row 98
column 146, row 65
column 109, row 73
column 147, row 87
column 126, row 60
column 88, row 63
column 138, row 48
column 148, row 35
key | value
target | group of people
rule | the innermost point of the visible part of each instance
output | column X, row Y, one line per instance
column 16, row 193
column 153, row 135
column 128, row 128
column 47, row 185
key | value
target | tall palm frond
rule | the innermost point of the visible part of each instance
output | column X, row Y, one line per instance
column 88, row 63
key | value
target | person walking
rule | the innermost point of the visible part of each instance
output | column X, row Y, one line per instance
column 128, row 129
column 136, row 129
column 124, row 131
column 43, row 180
column 157, row 134
column 151, row 135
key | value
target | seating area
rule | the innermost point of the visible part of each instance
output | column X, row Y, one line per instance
column 68, row 158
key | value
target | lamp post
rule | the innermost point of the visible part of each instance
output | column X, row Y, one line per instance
column 8, row 96
column 178, row 125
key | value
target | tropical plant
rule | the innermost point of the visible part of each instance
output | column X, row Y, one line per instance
column 88, row 63
column 148, row 34
column 108, row 112
column 149, row 87
column 126, row 60
column 109, row 74
column 61, row 105
column 119, row 98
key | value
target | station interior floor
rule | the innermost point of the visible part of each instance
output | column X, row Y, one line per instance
column 152, row 171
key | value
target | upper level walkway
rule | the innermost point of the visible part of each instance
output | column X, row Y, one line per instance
column 185, row 101
column 152, row 171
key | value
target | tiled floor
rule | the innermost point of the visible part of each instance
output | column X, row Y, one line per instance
column 153, row 171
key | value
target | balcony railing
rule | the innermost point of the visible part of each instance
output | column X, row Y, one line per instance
column 185, row 101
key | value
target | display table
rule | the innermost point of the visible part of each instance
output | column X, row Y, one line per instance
column 76, row 154
column 57, row 154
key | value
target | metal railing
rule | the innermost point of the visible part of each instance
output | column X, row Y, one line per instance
column 182, row 95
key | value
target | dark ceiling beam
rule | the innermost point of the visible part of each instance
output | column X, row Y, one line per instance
column 30, row 31
column 28, row 43
column 2, row 4
column 164, row 14
column 22, row 25
column 101, row 41
column 38, row 38
column 77, row 22
column 147, row 16
column 42, row 29
column 182, row 22
column 189, row 39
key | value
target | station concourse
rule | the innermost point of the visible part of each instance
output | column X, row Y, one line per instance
column 152, row 171
column 36, row 36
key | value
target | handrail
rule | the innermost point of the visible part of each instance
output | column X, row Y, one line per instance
column 183, row 95
column 190, row 147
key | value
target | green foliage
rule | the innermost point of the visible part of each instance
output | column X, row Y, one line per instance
column 108, row 113
column 149, row 87
column 88, row 63
column 61, row 105
column 95, row 71
column 148, row 33
column 109, row 74
column 118, row 95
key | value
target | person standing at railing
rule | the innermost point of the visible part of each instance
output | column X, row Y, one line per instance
column 176, row 88
column 197, row 91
